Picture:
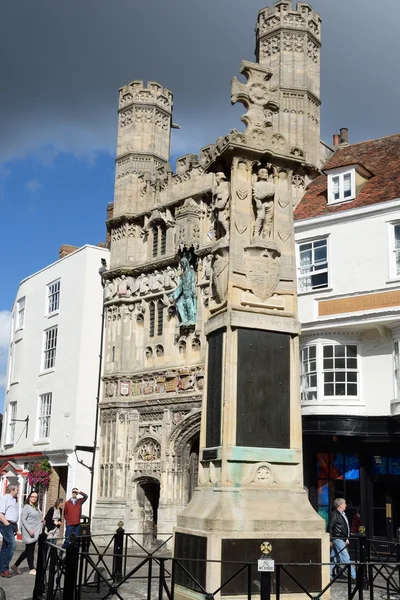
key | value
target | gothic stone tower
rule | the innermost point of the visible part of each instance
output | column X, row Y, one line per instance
column 154, row 349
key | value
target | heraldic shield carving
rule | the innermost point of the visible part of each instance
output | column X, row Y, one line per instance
column 262, row 262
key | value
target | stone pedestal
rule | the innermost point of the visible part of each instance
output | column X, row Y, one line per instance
column 250, row 481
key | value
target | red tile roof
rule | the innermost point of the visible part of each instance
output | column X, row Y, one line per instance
column 381, row 157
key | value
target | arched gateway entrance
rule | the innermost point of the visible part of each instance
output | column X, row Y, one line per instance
column 148, row 497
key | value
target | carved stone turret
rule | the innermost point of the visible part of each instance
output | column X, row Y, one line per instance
column 288, row 43
column 144, row 132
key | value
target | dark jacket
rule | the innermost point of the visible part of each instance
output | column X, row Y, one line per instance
column 338, row 526
column 50, row 525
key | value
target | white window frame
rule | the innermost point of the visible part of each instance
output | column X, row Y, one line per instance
column 396, row 367
column 320, row 398
column 20, row 320
column 53, row 297
column 393, row 251
column 302, row 276
column 306, row 373
column 44, row 416
column 12, row 414
column 49, row 348
column 335, row 344
column 340, row 174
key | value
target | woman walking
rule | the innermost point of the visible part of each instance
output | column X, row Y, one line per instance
column 31, row 527
column 53, row 521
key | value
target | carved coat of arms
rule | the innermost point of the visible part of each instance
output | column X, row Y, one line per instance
column 262, row 269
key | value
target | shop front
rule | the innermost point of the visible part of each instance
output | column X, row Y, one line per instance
column 357, row 458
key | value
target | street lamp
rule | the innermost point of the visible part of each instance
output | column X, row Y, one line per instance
column 103, row 269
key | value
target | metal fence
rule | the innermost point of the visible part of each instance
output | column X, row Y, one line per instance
column 125, row 569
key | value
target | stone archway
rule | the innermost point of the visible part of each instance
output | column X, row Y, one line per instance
column 184, row 446
column 193, row 472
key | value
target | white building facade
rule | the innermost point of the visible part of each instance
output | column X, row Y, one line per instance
column 348, row 264
column 53, row 373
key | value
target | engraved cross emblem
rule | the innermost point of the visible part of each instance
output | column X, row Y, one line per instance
column 256, row 95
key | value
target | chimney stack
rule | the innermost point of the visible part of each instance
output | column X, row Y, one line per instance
column 336, row 139
column 344, row 135
column 66, row 249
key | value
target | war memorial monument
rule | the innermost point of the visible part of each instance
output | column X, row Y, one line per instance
column 202, row 333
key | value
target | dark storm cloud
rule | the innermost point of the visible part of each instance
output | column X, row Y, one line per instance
column 63, row 62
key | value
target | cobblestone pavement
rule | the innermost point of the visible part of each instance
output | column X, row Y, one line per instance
column 20, row 587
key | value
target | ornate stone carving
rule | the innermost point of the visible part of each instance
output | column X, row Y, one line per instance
column 153, row 416
column 118, row 233
column 262, row 268
column 178, row 416
column 187, row 224
column 150, row 430
column 220, row 273
column 184, row 296
column 256, row 96
column 162, row 120
column 110, row 389
column 149, row 450
column 266, row 24
column 293, row 42
column 263, row 197
column 124, row 388
column 125, row 117
column 312, row 51
column 294, row 20
column 221, row 205
column 158, row 215
column 271, row 46
column 159, row 350
column 298, row 181
column 113, row 313
column 263, row 474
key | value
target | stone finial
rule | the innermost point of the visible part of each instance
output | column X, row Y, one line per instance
column 261, row 102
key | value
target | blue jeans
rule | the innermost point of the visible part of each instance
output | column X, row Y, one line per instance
column 8, row 547
column 76, row 529
column 340, row 554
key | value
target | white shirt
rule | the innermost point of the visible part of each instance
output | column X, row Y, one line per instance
column 347, row 523
column 9, row 508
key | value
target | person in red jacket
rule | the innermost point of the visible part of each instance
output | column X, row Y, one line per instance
column 72, row 514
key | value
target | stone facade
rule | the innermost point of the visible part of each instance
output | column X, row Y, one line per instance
column 169, row 238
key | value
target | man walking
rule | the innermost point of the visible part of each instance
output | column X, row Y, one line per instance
column 339, row 531
column 72, row 514
column 9, row 513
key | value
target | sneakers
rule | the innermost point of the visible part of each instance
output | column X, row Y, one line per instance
column 6, row 574
column 32, row 572
column 16, row 570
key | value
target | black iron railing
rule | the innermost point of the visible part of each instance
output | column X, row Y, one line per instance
column 88, row 570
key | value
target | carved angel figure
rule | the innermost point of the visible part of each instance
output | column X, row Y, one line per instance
column 220, row 206
column 263, row 196
column 143, row 283
column 169, row 278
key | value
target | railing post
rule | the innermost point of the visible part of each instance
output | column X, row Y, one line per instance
column 118, row 553
column 149, row 576
column 398, row 556
column 362, row 572
column 265, row 567
column 40, row 567
column 71, row 569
